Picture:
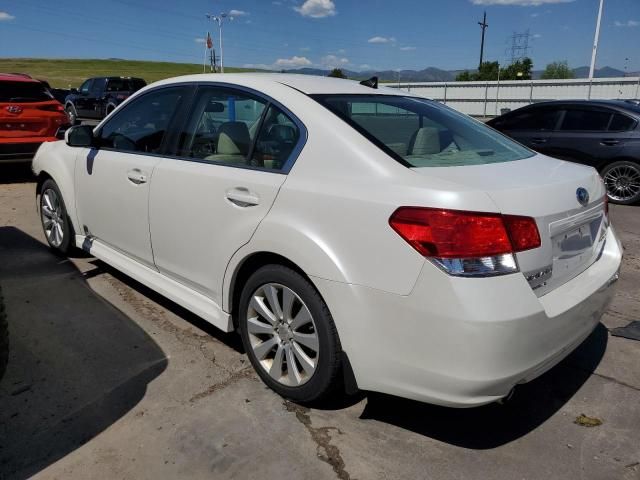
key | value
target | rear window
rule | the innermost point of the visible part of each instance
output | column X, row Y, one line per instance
column 125, row 84
column 23, row 92
column 422, row 133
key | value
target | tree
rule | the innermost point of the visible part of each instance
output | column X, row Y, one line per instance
column 464, row 76
column 337, row 73
column 520, row 70
column 487, row 71
column 557, row 70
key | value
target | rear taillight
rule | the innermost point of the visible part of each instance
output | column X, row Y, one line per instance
column 466, row 243
column 52, row 107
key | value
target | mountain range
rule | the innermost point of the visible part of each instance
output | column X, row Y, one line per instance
column 433, row 74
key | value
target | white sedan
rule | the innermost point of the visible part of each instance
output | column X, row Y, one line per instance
column 355, row 236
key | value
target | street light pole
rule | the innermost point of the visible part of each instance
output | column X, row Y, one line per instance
column 219, row 19
column 595, row 47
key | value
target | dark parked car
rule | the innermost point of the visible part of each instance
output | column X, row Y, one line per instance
column 98, row 97
column 604, row 134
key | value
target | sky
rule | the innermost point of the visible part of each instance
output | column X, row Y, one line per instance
column 351, row 34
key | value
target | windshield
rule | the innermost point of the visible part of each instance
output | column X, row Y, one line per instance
column 23, row 92
column 422, row 133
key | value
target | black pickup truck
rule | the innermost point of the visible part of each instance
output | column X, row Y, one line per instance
column 97, row 97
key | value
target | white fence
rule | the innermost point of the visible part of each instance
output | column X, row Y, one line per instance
column 487, row 99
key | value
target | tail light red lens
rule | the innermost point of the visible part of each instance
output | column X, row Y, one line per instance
column 53, row 107
column 523, row 232
column 441, row 233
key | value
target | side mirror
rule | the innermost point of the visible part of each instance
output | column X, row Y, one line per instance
column 79, row 136
column 74, row 91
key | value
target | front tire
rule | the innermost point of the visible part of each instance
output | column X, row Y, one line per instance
column 622, row 180
column 55, row 221
column 289, row 334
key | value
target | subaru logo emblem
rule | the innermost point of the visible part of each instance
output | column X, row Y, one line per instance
column 582, row 195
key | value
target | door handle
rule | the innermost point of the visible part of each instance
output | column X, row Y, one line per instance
column 538, row 141
column 610, row 142
column 137, row 176
column 242, row 197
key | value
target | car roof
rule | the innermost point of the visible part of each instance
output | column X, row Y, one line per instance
column 308, row 84
column 17, row 77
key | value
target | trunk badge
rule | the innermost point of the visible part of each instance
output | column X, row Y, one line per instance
column 582, row 195
column 14, row 109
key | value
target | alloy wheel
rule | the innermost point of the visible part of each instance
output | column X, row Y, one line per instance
column 622, row 182
column 52, row 217
column 282, row 334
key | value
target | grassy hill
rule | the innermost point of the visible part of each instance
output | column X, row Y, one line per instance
column 64, row 72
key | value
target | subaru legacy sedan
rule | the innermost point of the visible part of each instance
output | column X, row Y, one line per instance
column 356, row 237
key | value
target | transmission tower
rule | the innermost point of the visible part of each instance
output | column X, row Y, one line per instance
column 519, row 46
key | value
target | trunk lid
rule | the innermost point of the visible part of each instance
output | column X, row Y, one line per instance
column 572, row 234
column 30, row 119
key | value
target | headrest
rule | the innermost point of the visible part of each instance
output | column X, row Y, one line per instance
column 233, row 139
column 425, row 141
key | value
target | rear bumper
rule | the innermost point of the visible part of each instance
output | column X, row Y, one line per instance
column 466, row 342
column 21, row 149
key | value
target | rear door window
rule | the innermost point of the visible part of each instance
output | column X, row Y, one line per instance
column 222, row 126
column 585, row 120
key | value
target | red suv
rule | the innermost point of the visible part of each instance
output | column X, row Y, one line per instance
column 29, row 115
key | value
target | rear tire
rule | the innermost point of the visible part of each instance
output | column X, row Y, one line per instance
column 289, row 334
column 56, row 225
column 622, row 180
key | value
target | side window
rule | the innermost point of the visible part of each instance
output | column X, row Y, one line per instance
column 222, row 126
column 621, row 123
column 534, row 119
column 585, row 120
column 86, row 86
column 97, row 87
column 277, row 138
column 142, row 125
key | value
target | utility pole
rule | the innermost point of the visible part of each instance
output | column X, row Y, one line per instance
column 219, row 19
column 483, row 25
column 594, row 53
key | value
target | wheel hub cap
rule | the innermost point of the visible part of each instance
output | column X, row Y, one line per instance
column 52, row 217
column 282, row 334
column 623, row 182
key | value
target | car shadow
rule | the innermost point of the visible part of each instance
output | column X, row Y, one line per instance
column 494, row 425
column 76, row 363
column 16, row 173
